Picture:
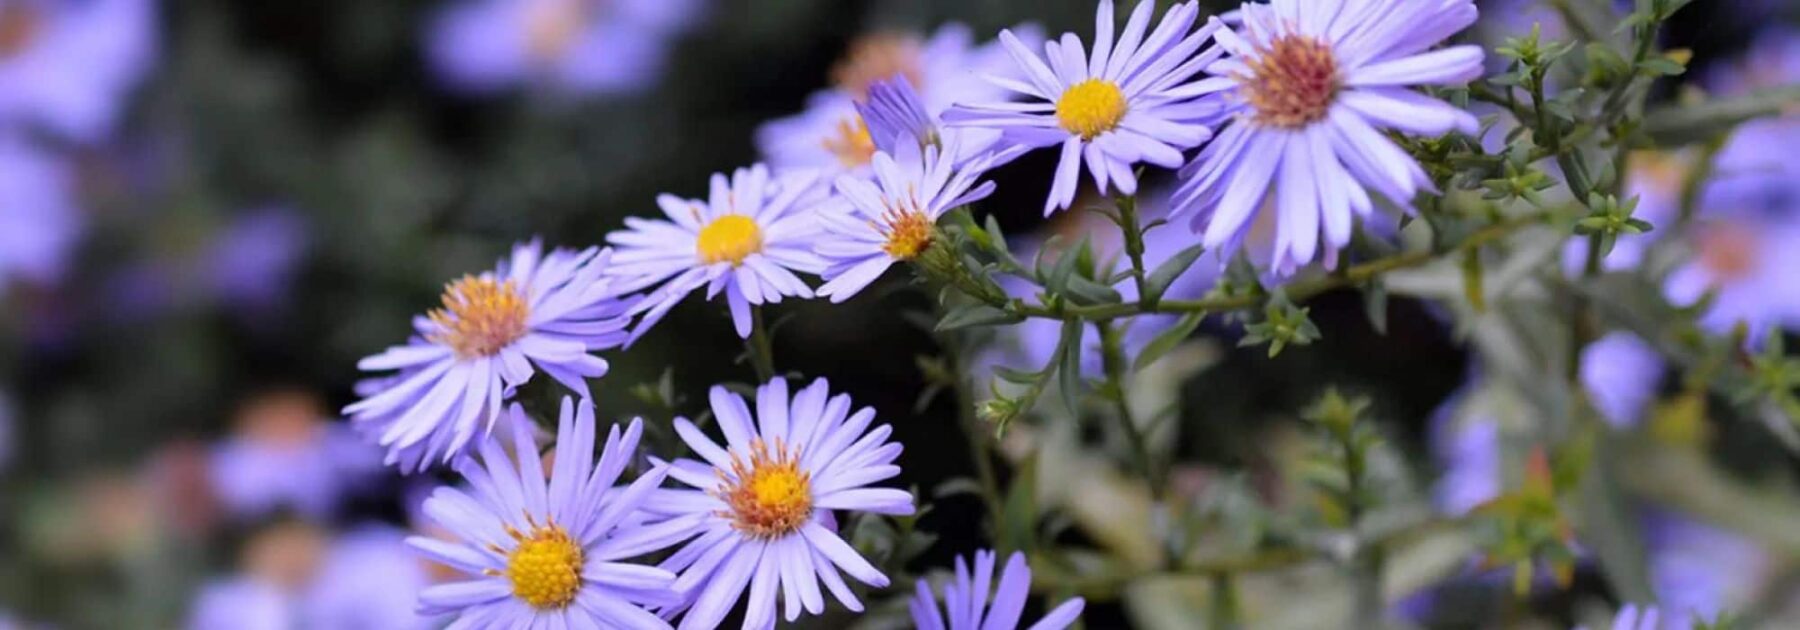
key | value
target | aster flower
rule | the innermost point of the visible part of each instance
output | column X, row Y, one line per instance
column 38, row 218
column 1314, row 84
column 1128, row 102
column 966, row 599
column 368, row 578
column 1698, row 570
column 1621, row 373
column 746, row 241
column 891, row 218
column 548, row 554
column 67, row 66
column 242, row 603
column 253, row 261
column 282, row 453
column 495, row 330
column 761, row 509
column 833, row 136
column 571, row 46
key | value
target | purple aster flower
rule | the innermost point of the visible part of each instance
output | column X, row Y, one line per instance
column 284, row 454
column 67, row 66
column 252, row 262
column 832, row 136
column 495, row 330
column 38, row 218
column 891, row 218
column 747, row 241
column 1633, row 618
column 242, row 603
column 572, row 46
column 1621, row 373
column 1129, row 102
column 761, row 508
column 1745, row 266
column 547, row 551
column 1772, row 61
column 1469, row 449
column 1698, row 570
column 966, row 599
column 1314, row 85
column 368, row 578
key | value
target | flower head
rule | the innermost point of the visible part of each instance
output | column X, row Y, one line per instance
column 546, row 551
column 746, row 241
column 836, row 134
column 1128, row 102
column 1621, row 374
column 573, row 46
column 283, row 454
column 67, row 66
column 1312, row 86
column 892, row 217
column 760, row 508
column 492, row 334
column 38, row 218
column 967, row 605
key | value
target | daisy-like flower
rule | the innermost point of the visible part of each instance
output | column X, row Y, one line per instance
column 966, row 599
column 571, row 46
column 494, row 332
column 831, row 135
column 891, row 218
column 761, row 511
column 39, row 220
column 1129, row 102
column 549, row 553
column 746, row 241
column 67, row 66
column 1314, row 84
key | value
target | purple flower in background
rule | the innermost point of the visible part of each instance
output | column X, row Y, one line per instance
column 1772, row 61
column 39, row 221
column 68, row 66
column 1468, row 448
column 1128, row 102
column 1746, row 266
column 746, row 240
column 570, row 46
column 284, row 454
column 760, row 511
column 1633, row 618
column 1315, row 85
column 543, row 548
column 494, row 332
column 252, row 262
column 242, row 603
column 967, row 605
column 368, row 578
column 892, row 218
column 1699, row 571
column 831, row 135
column 1621, row 372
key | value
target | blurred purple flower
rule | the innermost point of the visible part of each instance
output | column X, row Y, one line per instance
column 1631, row 617
column 569, row 46
column 39, row 221
column 241, row 603
column 251, row 263
column 67, row 66
column 369, row 578
column 831, row 135
column 1772, row 61
column 1698, row 570
column 1621, row 373
column 312, row 476
column 1468, row 447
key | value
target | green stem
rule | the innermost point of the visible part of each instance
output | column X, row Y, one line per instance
column 1350, row 277
column 762, row 351
column 1134, row 247
column 1225, row 610
column 1113, row 360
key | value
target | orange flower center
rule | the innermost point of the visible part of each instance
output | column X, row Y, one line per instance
column 19, row 25
column 552, row 26
column 908, row 233
column 771, row 497
column 1091, row 108
column 545, row 567
column 1728, row 251
column 730, row 238
column 480, row 316
column 878, row 57
column 1293, row 83
column 852, row 143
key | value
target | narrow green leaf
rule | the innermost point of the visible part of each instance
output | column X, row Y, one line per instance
column 1167, row 340
column 1087, row 292
column 1069, row 367
column 976, row 315
column 1375, row 305
column 1166, row 273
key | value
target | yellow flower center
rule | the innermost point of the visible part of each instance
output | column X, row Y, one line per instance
column 545, row 567
column 1728, row 252
column 19, row 24
column 771, row 497
column 730, row 238
column 852, row 143
column 552, row 26
column 878, row 57
column 908, row 233
column 1091, row 108
column 480, row 316
column 1293, row 83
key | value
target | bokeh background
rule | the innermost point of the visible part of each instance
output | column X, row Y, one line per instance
column 283, row 185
